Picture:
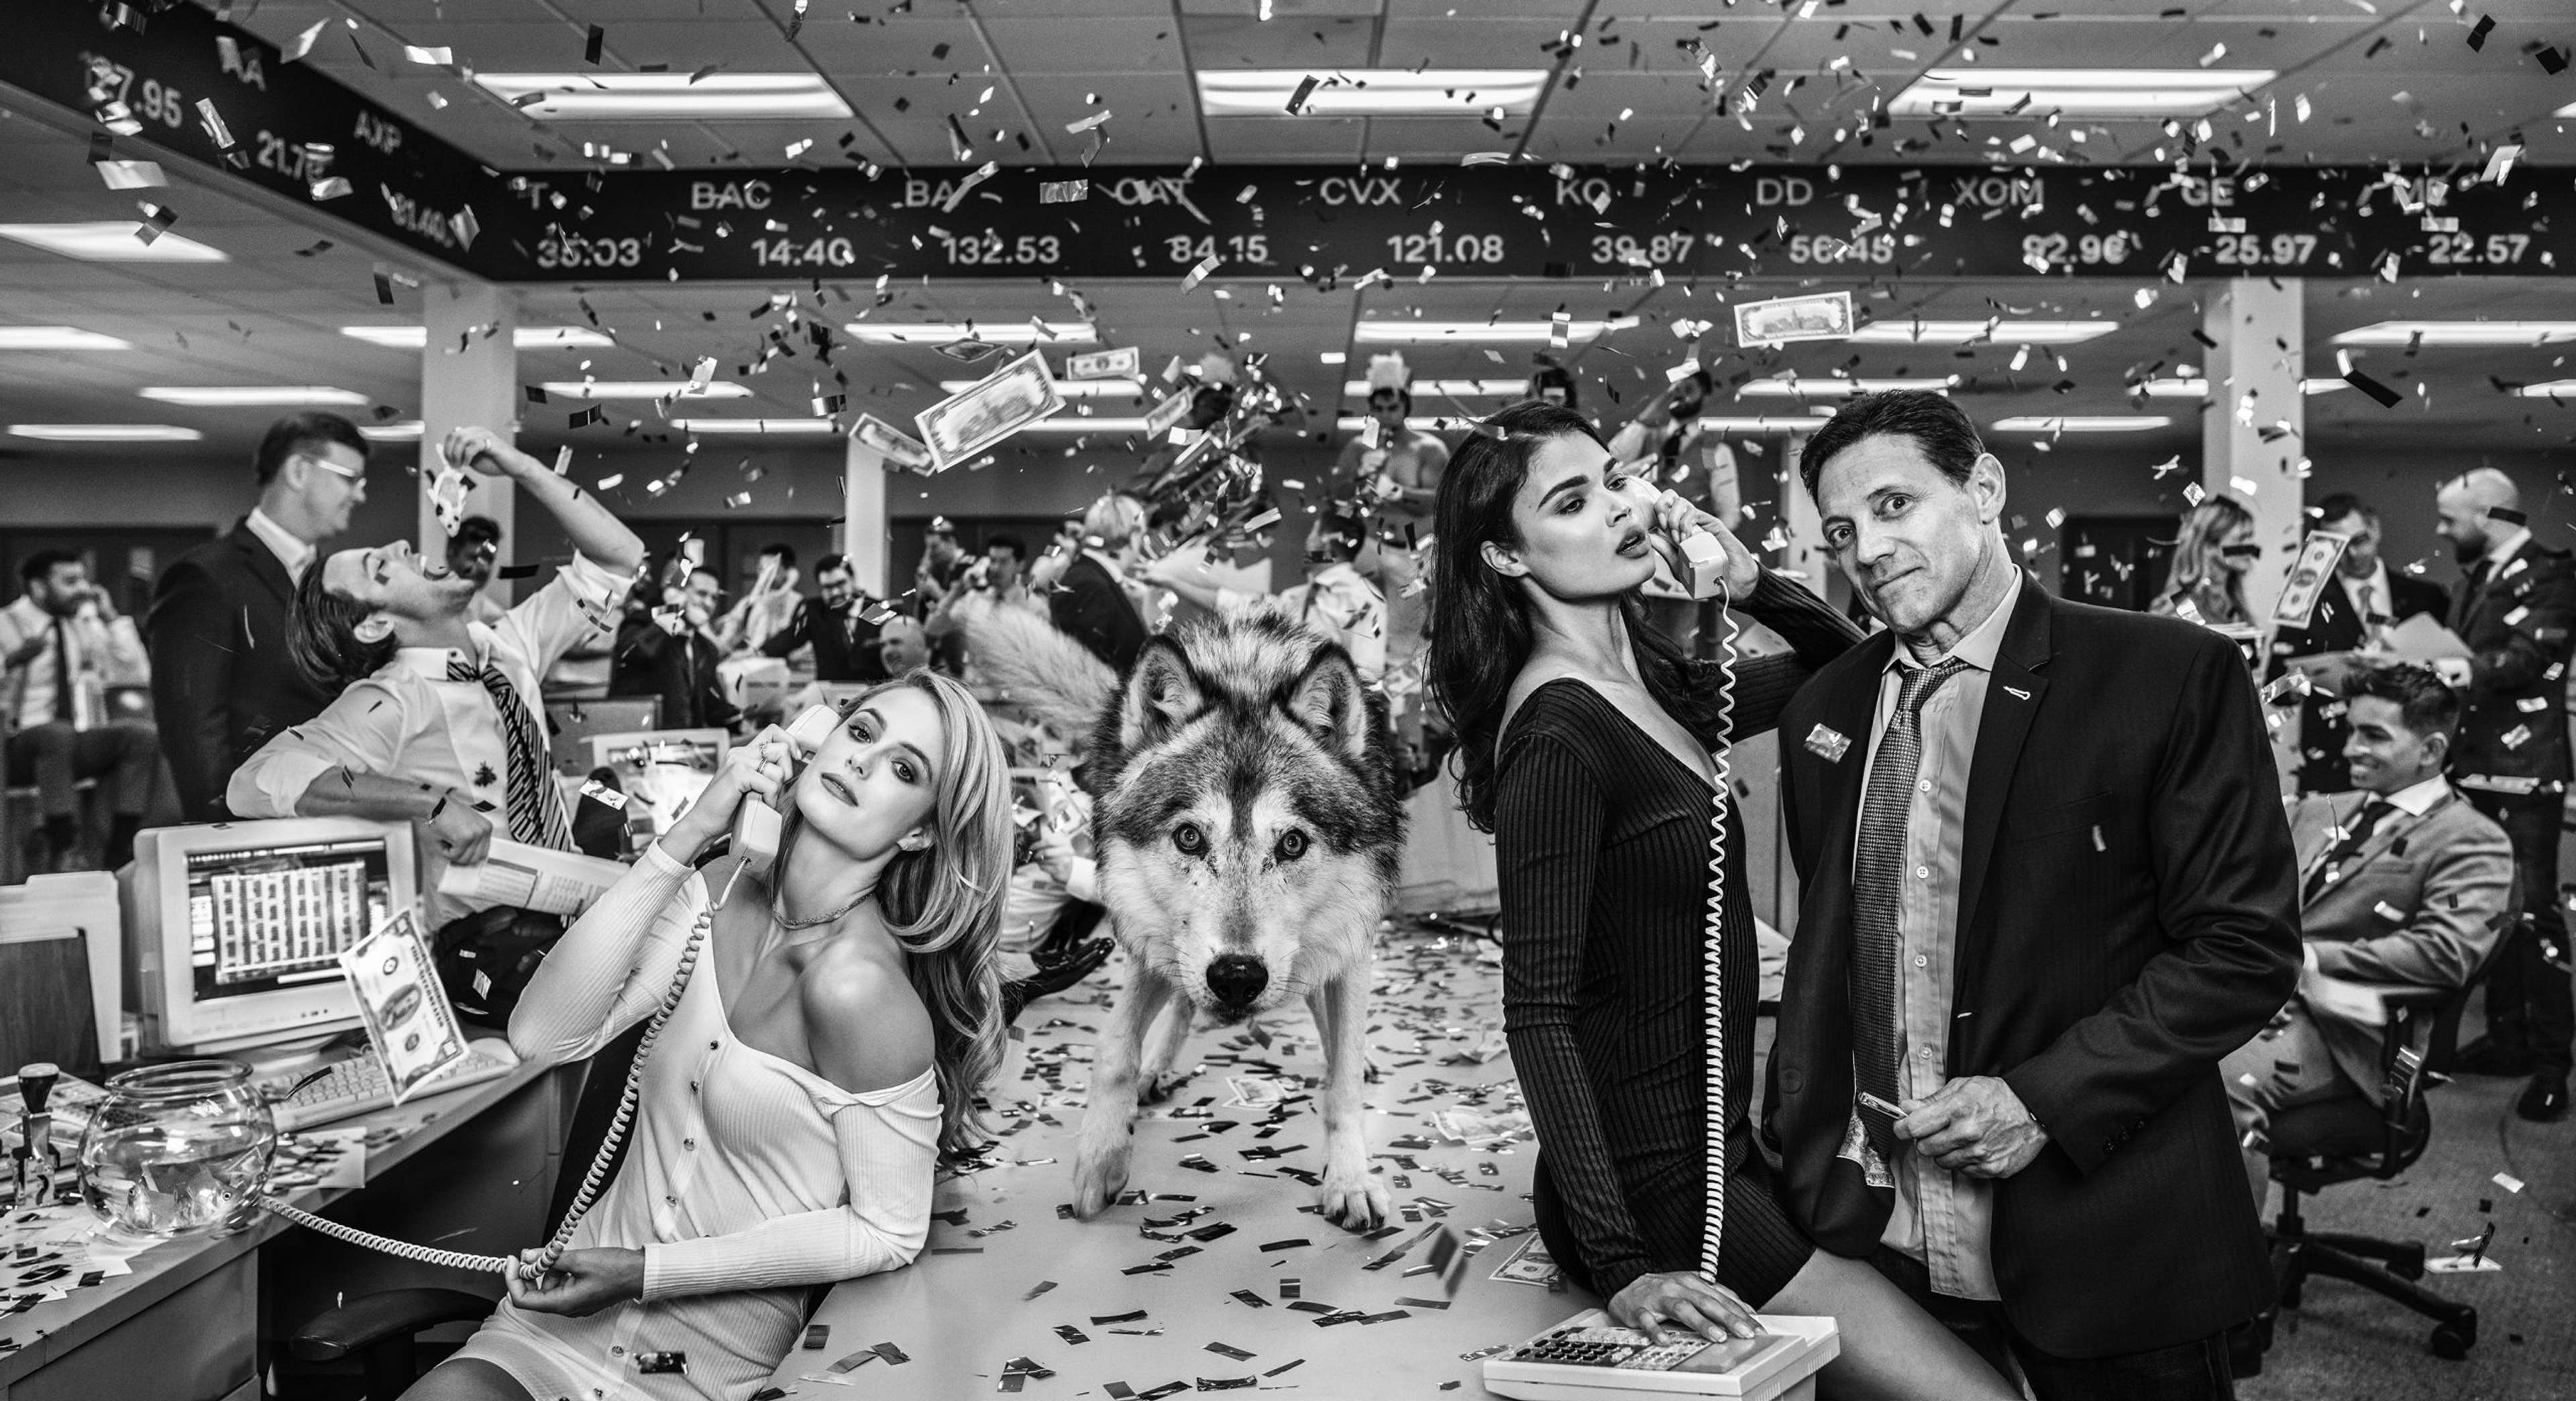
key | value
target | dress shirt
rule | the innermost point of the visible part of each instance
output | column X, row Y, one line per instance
column 409, row 721
column 1341, row 604
column 2370, row 596
column 2414, row 801
column 28, row 690
column 293, row 552
column 1941, row 1218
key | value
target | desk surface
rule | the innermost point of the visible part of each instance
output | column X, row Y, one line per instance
column 51, row 1329
column 973, row 1301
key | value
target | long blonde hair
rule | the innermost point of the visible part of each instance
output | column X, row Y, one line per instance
column 2197, row 552
column 944, row 903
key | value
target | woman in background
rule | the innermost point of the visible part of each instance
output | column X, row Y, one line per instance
column 820, row 1065
column 2207, row 581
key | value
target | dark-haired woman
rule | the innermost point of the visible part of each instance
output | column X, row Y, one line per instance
column 1584, row 739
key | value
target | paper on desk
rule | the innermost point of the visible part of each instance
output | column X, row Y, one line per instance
column 531, row 878
column 2420, row 639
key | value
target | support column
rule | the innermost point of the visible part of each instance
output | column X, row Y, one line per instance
column 1802, row 530
column 2253, row 437
column 863, row 517
column 469, row 375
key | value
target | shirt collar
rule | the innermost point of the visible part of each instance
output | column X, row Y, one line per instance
column 2504, row 549
column 430, row 663
column 1979, row 648
column 2415, row 800
column 2376, row 581
column 291, row 550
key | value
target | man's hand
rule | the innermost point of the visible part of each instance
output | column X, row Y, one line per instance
column 2454, row 671
column 1683, row 1299
column 483, row 450
column 461, row 834
column 1976, row 1127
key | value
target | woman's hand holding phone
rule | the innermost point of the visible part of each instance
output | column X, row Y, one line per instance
column 758, row 768
column 1677, row 519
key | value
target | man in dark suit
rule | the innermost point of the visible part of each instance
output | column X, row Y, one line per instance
column 680, row 667
column 2047, row 886
column 1087, row 603
column 2364, row 599
column 2516, row 608
column 834, row 626
column 222, row 682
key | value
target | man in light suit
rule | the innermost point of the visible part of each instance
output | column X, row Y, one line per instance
column 2046, row 888
column 2403, row 884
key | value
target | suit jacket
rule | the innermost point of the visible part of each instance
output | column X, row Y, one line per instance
column 1088, row 606
column 2520, row 625
column 2337, row 627
column 222, row 682
column 2128, row 915
column 680, row 668
column 845, row 644
column 2420, row 905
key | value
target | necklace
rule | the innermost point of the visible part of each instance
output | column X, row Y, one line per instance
column 778, row 912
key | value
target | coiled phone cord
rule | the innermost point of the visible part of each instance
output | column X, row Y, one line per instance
column 1713, row 1211
column 591, row 1181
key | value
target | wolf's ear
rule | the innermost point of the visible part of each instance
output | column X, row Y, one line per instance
column 1161, row 695
column 1329, row 701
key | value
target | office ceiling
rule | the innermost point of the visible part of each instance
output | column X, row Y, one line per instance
column 272, row 313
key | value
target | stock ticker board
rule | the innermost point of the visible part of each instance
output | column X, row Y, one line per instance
column 189, row 87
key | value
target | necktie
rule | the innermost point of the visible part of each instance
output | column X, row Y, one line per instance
column 2353, row 837
column 536, row 818
column 1877, row 882
column 65, row 708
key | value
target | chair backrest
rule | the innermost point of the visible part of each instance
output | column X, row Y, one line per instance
column 2408, row 1126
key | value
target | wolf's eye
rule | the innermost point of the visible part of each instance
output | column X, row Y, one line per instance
column 1189, row 839
column 1292, row 844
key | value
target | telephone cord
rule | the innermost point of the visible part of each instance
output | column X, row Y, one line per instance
column 1713, row 1211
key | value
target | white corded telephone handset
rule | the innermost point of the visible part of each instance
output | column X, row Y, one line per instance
column 755, row 834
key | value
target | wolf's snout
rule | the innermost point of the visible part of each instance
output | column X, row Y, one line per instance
column 1235, row 979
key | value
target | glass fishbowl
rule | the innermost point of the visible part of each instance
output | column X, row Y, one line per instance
column 178, row 1150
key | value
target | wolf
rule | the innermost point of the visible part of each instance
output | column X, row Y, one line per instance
column 1248, row 832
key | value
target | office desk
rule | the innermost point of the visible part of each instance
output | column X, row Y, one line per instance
column 472, row 1171
column 960, row 1317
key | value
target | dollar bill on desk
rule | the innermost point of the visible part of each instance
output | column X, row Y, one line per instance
column 2315, row 566
column 1531, row 1264
column 898, row 448
column 1823, row 316
column 989, row 410
column 1102, row 364
column 402, row 1002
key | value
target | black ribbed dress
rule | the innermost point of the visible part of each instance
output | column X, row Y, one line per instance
column 1602, row 840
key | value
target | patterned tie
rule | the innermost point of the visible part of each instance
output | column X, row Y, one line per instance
column 2358, row 833
column 1878, row 880
column 536, row 819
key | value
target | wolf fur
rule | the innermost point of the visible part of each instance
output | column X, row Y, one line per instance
column 1248, row 834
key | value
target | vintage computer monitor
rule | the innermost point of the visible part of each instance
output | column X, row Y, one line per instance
column 233, row 930
column 572, row 723
column 661, row 772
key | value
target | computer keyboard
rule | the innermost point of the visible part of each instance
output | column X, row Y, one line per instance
column 358, row 1084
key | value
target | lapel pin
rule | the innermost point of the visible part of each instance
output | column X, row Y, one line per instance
column 1832, row 744
column 2018, row 693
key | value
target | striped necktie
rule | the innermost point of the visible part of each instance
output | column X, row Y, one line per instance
column 1878, row 880
column 536, row 818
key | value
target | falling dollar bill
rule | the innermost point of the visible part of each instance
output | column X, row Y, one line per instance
column 2318, row 555
column 404, row 1005
column 1102, row 364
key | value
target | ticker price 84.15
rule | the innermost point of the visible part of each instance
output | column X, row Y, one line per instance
column 989, row 249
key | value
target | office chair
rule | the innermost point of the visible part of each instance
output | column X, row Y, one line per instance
column 2350, row 1140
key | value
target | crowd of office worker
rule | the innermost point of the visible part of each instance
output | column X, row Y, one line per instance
column 2064, row 949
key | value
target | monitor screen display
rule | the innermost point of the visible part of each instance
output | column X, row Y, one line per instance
column 269, row 917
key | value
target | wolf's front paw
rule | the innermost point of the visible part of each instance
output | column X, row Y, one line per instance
column 1100, row 1164
column 1355, row 1200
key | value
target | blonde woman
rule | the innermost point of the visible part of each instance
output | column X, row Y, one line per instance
column 2210, row 560
column 819, row 1067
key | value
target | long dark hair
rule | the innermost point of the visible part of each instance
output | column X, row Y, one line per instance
column 1480, row 634
column 322, row 635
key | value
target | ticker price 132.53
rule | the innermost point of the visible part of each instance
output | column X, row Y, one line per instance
column 989, row 249
column 575, row 251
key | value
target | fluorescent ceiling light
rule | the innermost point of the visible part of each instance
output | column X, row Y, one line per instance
column 775, row 427
column 1332, row 357
column 643, row 389
column 2460, row 333
column 1019, row 332
column 608, row 97
column 1370, row 92
column 57, row 338
column 243, row 396
column 524, row 338
column 2199, row 388
column 1456, row 388
column 1075, row 423
column 1115, row 387
column 1764, row 423
column 401, row 431
column 2075, row 92
column 2548, row 389
column 2106, row 423
column 112, row 241
column 1996, row 332
column 1483, row 332
column 1834, row 388
column 105, row 432
column 1434, row 423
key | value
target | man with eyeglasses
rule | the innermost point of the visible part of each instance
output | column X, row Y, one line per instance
column 222, row 683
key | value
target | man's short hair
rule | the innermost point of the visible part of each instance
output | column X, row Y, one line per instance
column 1403, row 396
column 1936, row 425
column 2424, row 704
column 830, row 564
column 322, row 635
column 1003, row 539
column 476, row 530
column 42, row 563
column 304, row 432
column 2343, row 505
column 786, row 553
